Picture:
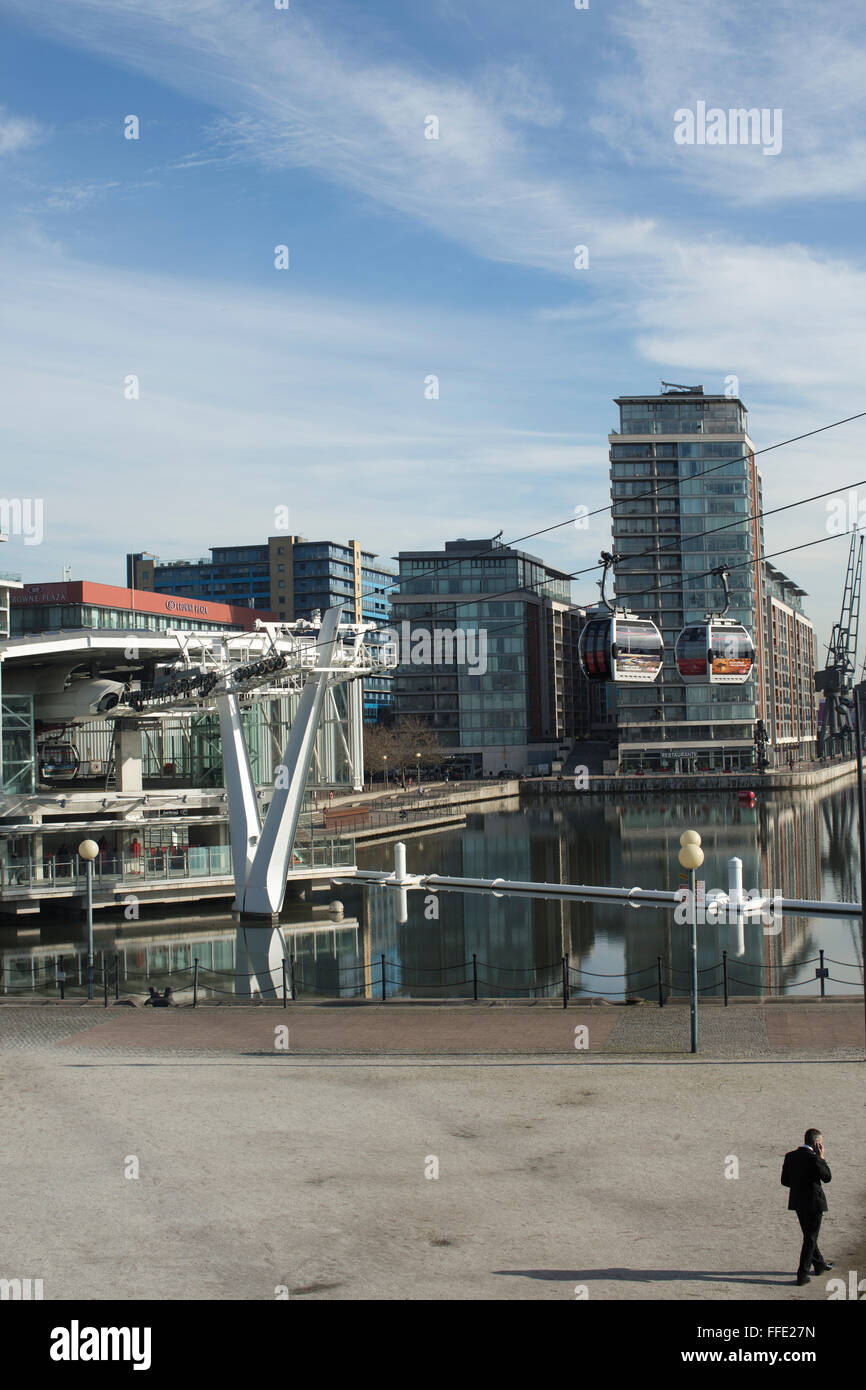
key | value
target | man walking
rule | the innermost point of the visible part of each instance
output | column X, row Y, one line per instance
column 803, row 1171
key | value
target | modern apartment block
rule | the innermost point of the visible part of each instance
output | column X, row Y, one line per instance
column 503, row 695
column 682, row 464
column 789, row 679
column 289, row 575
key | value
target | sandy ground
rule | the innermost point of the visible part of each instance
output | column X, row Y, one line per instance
column 259, row 1172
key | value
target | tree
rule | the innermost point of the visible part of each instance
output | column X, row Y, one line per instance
column 414, row 736
column 378, row 745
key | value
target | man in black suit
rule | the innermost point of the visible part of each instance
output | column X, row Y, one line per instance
column 803, row 1171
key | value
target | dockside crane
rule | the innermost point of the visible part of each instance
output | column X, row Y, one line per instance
column 835, row 682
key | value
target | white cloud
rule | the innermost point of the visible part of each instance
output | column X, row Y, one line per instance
column 18, row 133
column 250, row 400
column 332, row 400
column 806, row 60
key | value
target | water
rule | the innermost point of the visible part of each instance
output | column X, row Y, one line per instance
column 802, row 846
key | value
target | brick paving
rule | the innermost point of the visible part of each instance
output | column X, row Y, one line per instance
column 833, row 1030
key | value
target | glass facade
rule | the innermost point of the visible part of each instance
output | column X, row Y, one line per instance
column 681, row 508
column 505, row 694
column 292, row 578
column 72, row 616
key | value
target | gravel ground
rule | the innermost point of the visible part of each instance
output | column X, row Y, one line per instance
column 258, row 1172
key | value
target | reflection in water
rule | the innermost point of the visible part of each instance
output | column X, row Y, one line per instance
column 800, row 848
column 805, row 848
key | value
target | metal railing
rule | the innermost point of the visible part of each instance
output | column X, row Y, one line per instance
column 195, row 862
column 383, row 979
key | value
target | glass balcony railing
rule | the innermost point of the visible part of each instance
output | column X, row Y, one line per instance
column 196, row 862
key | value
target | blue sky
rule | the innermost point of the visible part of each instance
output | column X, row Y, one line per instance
column 410, row 257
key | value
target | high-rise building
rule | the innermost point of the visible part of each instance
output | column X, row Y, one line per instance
column 789, row 646
column 496, row 679
column 289, row 575
column 686, row 499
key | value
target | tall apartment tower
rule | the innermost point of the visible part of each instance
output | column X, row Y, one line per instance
column 682, row 464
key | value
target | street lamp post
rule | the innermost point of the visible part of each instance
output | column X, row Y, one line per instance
column 88, row 850
column 418, row 769
column 385, row 762
column 691, row 856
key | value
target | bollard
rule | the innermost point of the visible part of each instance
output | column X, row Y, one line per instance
column 822, row 972
column 474, row 977
column 195, row 982
column 383, row 979
column 661, row 990
column 399, row 862
column 725, row 975
column 735, row 883
column 285, row 984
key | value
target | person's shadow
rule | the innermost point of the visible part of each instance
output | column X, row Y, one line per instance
column 651, row 1276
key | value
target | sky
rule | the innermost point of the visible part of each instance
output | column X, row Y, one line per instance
column 165, row 387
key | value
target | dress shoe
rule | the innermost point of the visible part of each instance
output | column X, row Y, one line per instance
column 820, row 1269
column 803, row 1279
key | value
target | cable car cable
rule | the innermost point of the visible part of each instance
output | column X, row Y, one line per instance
column 545, row 530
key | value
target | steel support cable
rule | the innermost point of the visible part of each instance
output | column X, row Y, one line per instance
column 657, row 487
column 520, row 622
column 648, row 496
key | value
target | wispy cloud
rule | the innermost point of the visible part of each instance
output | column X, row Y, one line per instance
column 19, row 133
column 305, row 409
column 807, row 62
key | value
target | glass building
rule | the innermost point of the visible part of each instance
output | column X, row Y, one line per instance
column 503, row 704
column 681, row 465
column 290, row 577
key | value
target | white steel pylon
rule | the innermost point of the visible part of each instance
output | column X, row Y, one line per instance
column 261, row 854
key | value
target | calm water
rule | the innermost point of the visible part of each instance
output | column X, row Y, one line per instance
column 804, row 847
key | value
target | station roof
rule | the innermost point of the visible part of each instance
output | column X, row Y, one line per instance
column 171, row 606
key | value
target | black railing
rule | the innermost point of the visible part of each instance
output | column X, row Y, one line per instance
column 381, row 979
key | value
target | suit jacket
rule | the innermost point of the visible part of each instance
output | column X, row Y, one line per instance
column 804, row 1172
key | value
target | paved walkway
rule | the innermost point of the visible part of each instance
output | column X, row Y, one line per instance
column 134, row 1169
column 829, row 1030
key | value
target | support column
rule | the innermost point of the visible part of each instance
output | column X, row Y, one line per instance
column 355, row 703
column 266, row 881
column 127, row 755
column 245, row 825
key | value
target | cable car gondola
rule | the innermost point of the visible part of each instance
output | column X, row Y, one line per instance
column 619, row 646
column 717, row 651
column 58, row 761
